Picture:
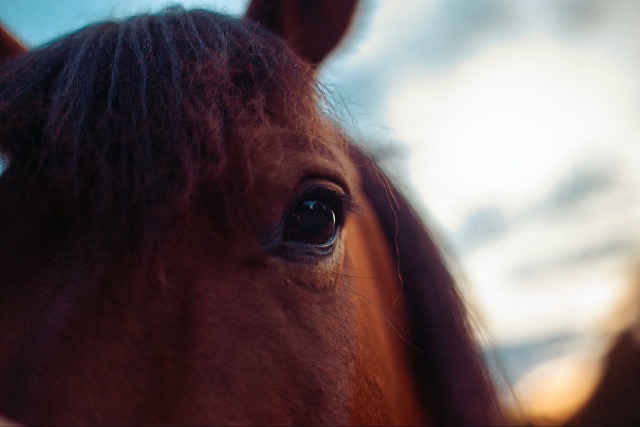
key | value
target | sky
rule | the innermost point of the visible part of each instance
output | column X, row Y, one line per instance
column 514, row 124
column 38, row 21
column 517, row 125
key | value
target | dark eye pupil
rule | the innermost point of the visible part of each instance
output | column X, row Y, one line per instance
column 312, row 222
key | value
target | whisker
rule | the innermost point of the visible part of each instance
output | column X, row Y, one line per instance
column 393, row 204
column 352, row 276
column 352, row 268
column 376, row 305
column 387, row 317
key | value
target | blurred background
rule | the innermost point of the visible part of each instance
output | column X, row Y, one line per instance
column 515, row 126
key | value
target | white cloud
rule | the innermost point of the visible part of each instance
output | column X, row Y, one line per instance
column 509, row 121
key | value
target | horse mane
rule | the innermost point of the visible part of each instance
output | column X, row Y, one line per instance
column 113, row 129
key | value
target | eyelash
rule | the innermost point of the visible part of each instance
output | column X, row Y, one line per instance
column 341, row 202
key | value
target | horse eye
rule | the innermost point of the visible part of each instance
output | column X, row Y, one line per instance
column 312, row 222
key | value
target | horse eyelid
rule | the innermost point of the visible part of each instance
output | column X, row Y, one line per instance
column 350, row 205
column 345, row 203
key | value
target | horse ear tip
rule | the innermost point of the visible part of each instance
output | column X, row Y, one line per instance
column 312, row 29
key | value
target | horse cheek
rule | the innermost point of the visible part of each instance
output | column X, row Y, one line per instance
column 383, row 388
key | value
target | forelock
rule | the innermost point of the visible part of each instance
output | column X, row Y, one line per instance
column 117, row 125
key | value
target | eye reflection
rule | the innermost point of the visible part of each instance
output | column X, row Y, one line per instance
column 313, row 222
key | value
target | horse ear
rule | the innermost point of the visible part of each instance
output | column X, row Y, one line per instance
column 312, row 28
column 9, row 46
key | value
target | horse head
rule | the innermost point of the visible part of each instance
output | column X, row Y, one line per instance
column 187, row 237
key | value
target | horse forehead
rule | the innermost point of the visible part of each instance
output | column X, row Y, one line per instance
column 245, row 206
column 288, row 163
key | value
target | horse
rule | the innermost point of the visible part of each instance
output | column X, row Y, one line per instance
column 598, row 389
column 188, row 237
column 615, row 401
